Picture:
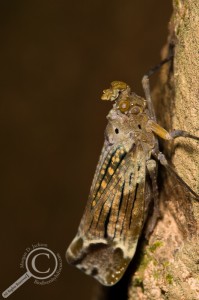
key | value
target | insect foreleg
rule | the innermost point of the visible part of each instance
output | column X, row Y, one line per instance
column 146, row 88
column 181, row 133
column 162, row 133
column 146, row 85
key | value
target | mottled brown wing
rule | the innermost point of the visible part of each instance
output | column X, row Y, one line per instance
column 114, row 216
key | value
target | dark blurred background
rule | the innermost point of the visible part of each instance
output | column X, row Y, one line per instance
column 56, row 57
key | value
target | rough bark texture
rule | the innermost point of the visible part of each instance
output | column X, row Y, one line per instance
column 168, row 266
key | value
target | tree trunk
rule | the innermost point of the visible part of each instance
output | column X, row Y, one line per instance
column 167, row 267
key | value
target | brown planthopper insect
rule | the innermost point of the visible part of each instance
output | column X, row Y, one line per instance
column 124, row 185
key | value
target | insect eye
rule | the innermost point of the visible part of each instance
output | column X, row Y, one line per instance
column 124, row 105
column 135, row 110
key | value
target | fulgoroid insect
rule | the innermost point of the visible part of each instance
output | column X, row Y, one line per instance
column 123, row 187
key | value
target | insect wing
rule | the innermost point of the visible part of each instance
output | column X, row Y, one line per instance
column 113, row 219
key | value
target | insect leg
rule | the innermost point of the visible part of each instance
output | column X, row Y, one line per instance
column 162, row 133
column 162, row 159
column 181, row 133
column 152, row 170
column 146, row 86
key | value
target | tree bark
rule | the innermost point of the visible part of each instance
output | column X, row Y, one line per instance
column 167, row 267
